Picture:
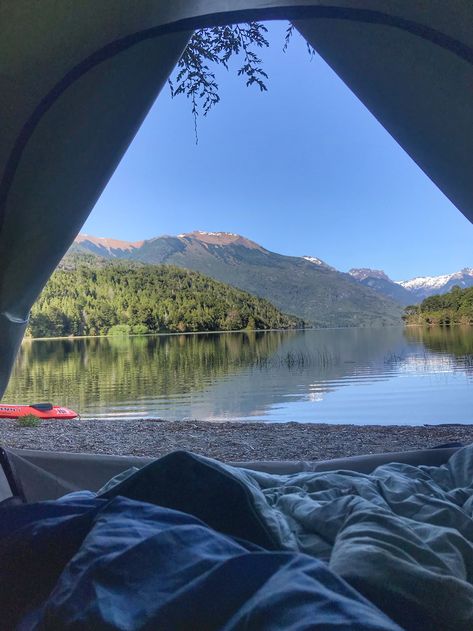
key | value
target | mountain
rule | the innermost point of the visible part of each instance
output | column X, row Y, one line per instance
column 362, row 273
column 304, row 286
column 109, row 248
column 100, row 296
column 425, row 286
column 408, row 292
column 316, row 261
column 379, row 281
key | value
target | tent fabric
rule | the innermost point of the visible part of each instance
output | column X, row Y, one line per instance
column 47, row 475
column 77, row 79
column 5, row 489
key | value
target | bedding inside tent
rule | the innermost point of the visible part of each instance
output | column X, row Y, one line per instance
column 236, row 548
column 373, row 546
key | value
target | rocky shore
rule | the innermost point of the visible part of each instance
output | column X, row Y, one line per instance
column 230, row 441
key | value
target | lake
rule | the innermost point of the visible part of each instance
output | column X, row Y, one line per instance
column 387, row 375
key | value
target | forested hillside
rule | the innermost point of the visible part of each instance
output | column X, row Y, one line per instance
column 455, row 307
column 313, row 291
column 119, row 297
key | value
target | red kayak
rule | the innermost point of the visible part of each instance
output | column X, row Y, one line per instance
column 41, row 410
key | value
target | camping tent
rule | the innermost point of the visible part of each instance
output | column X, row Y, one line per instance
column 77, row 79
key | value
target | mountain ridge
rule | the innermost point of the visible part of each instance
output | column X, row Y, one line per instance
column 426, row 286
column 379, row 281
column 107, row 243
column 361, row 273
column 415, row 289
column 163, row 248
column 305, row 286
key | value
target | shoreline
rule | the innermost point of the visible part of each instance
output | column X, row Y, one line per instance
column 219, row 332
column 228, row 440
column 404, row 325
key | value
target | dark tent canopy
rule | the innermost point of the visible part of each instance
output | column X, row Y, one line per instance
column 77, row 79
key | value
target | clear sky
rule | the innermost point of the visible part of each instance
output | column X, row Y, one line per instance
column 303, row 169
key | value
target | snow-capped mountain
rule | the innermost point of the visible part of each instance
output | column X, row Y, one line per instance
column 319, row 262
column 414, row 290
column 423, row 286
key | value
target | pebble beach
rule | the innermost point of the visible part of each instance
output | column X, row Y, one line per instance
column 228, row 441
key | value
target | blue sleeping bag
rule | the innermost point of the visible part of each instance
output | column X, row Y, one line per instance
column 90, row 563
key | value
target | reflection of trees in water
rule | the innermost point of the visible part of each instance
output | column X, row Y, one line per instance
column 454, row 340
column 454, row 343
column 231, row 375
column 338, row 353
column 100, row 371
column 307, row 365
column 127, row 369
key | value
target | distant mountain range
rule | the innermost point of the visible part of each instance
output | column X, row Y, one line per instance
column 424, row 286
column 304, row 286
column 407, row 292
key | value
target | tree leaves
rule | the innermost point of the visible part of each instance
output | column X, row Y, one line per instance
column 217, row 45
column 195, row 78
column 454, row 307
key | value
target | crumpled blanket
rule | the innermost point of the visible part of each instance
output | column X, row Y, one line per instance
column 86, row 563
column 401, row 536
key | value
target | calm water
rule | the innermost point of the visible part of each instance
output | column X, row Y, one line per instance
column 389, row 375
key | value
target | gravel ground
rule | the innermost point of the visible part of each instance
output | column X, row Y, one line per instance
column 228, row 441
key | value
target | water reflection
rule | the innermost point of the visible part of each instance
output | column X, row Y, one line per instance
column 383, row 375
column 96, row 373
column 456, row 340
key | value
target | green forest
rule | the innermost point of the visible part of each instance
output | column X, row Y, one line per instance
column 123, row 298
column 456, row 307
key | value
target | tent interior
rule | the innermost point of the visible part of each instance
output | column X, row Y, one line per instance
column 76, row 82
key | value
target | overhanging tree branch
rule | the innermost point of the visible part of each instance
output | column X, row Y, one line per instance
column 196, row 80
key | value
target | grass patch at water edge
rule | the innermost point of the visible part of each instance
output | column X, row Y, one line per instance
column 30, row 420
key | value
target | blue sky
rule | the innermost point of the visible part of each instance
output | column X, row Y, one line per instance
column 303, row 169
